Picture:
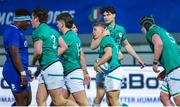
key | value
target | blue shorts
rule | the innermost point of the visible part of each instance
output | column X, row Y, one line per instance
column 13, row 79
column 100, row 78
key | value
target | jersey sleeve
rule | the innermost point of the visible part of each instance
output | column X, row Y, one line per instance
column 151, row 33
column 13, row 39
column 68, row 38
column 36, row 36
column 124, row 37
column 107, row 42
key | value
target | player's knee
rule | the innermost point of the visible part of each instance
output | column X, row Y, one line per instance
column 40, row 100
column 83, row 102
column 113, row 98
column 177, row 100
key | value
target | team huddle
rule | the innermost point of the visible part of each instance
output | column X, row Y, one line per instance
column 62, row 63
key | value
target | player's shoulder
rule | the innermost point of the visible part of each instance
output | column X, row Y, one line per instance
column 107, row 39
column 10, row 29
column 119, row 27
column 154, row 29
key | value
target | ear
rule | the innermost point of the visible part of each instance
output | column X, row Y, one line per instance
column 63, row 24
column 37, row 19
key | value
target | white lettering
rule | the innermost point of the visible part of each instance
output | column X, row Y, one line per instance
column 9, row 18
column 54, row 14
column 2, row 18
column 50, row 14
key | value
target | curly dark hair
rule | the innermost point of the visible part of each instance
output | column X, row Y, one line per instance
column 108, row 9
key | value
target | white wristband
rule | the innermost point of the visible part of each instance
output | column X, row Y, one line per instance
column 23, row 73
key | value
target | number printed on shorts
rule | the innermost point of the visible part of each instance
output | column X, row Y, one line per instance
column 54, row 41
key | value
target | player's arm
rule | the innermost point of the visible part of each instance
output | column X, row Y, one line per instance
column 131, row 51
column 84, row 67
column 37, row 51
column 62, row 47
column 107, row 55
column 83, row 61
column 14, row 53
column 120, row 56
column 158, row 46
column 95, row 43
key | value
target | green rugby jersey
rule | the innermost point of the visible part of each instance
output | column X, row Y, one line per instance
column 49, row 37
column 170, row 56
column 108, row 41
column 71, row 57
column 118, row 33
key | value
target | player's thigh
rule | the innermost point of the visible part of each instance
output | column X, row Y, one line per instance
column 113, row 94
column 42, row 93
column 100, row 78
column 81, row 98
column 65, row 92
column 164, row 89
column 100, row 90
column 22, row 98
column 56, row 96
column 53, row 76
column 177, row 100
column 174, row 82
column 74, row 81
column 113, row 80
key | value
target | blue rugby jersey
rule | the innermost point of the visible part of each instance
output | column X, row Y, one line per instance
column 13, row 37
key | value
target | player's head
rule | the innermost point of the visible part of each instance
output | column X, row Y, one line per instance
column 98, row 29
column 22, row 18
column 64, row 20
column 39, row 15
column 146, row 22
column 109, row 14
column 74, row 28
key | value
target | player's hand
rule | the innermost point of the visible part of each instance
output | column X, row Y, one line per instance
column 31, row 75
column 96, row 67
column 106, row 32
column 23, row 78
column 155, row 68
column 141, row 63
column 87, row 79
column 161, row 75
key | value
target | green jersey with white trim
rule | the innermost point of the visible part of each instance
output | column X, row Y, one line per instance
column 108, row 41
column 118, row 33
column 49, row 37
column 71, row 57
column 170, row 56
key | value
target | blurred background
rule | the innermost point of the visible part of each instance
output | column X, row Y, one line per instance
column 86, row 12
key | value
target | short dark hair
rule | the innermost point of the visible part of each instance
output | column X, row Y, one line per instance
column 21, row 12
column 67, row 18
column 147, row 22
column 108, row 9
column 41, row 13
column 100, row 24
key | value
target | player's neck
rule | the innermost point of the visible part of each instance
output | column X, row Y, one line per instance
column 112, row 24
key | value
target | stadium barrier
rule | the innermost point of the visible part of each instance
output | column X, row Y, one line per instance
column 140, row 87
